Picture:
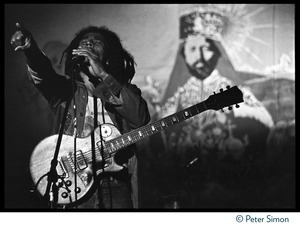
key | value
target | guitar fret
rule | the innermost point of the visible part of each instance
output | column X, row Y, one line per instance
column 123, row 141
column 147, row 132
column 169, row 121
column 158, row 126
column 181, row 116
column 150, row 132
column 200, row 107
column 174, row 118
column 112, row 145
column 120, row 143
column 187, row 114
column 140, row 133
column 153, row 128
column 135, row 136
column 117, row 142
column 193, row 110
column 126, row 140
column 129, row 138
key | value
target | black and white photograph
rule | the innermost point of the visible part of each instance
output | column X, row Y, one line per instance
column 149, row 107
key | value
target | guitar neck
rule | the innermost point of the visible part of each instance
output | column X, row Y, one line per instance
column 138, row 134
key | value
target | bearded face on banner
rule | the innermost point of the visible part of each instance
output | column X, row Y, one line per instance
column 201, row 56
column 203, row 67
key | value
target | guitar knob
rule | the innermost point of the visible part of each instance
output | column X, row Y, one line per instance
column 60, row 184
column 228, row 86
column 230, row 107
column 64, row 194
column 221, row 90
column 78, row 190
column 68, row 183
column 237, row 106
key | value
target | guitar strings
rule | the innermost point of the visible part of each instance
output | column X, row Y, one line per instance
column 133, row 134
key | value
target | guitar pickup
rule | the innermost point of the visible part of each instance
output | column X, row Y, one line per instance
column 80, row 161
column 81, row 164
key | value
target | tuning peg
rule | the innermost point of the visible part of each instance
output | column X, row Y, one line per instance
column 214, row 92
column 237, row 106
column 221, row 90
column 228, row 86
column 222, row 110
column 230, row 107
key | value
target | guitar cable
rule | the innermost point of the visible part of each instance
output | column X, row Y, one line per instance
column 75, row 70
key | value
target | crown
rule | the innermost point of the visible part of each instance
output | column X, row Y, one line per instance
column 202, row 22
column 214, row 21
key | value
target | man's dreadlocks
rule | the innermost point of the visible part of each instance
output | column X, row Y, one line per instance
column 117, row 61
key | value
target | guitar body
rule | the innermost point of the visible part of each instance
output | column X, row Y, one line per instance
column 43, row 154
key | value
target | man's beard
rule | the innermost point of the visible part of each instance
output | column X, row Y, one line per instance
column 206, row 68
column 201, row 72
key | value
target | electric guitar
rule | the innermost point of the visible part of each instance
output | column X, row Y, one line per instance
column 75, row 175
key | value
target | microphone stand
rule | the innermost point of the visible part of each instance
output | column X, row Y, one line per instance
column 96, row 179
column 76, row 64
column 52, row 174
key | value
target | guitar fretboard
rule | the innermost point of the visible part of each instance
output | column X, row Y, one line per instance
column 136, row 135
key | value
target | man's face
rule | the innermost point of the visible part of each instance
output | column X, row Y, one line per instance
column 94, row 42
column 201, row 56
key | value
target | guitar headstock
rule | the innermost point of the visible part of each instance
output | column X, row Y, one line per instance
column 225, row 98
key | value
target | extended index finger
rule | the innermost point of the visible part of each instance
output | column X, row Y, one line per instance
column 18, row 25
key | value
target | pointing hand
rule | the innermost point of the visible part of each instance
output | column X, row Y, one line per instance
column 21, row 39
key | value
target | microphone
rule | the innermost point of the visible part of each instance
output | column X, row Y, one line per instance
column 79, row 59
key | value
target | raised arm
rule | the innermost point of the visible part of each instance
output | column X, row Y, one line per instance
column 40, row 69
